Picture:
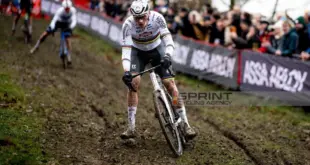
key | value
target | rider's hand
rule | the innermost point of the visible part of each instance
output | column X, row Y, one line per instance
column 51, row 30
column 166, row 61
column 127, row 79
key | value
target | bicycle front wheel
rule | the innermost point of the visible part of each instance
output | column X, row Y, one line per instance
column 169, row 130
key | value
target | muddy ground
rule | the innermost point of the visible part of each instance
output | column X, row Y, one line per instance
column 84, row 111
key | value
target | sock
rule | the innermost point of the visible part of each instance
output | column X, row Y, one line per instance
column 132, row 117
column 14, row 26
column 37, row 44
column 182, row 114
column 69, row 57
column 30, row 29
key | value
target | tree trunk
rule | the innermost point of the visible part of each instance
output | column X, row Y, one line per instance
column 274, row 9
column 232, row 4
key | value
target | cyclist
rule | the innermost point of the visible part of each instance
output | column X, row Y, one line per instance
column 17, row 7
column 146, row 37
column 65, row 19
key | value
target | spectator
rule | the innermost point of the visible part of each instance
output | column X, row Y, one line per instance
column 256, row 19
column 233, row 29
column 161, row 5
column 245, row 16
column 194, row 19
column 217, row 35
column 207, row 27
column 101, row 6
column 109, row 7
column 170, row 18
column 289, row 41
column 275, row 38
column 117, row 9
column 184, row 24
column 236, row 21
column 302, row 31
column 305, row 55
column 263, row 33
column 248, row 38
column 94, row 5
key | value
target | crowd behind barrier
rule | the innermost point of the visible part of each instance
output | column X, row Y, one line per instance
column 244, row 69
column 234, row 29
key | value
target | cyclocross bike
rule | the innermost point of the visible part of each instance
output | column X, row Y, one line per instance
column 171, row 124
column 63, row 47
column 26, row 30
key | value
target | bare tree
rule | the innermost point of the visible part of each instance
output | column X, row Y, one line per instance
column 243, row 2
column 234, row 2
column 274, row 9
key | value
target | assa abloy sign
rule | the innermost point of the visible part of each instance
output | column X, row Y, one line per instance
column 276, row 75
column 215, row 64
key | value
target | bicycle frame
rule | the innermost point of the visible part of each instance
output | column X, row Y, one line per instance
column 158, row 88
column 63, row 45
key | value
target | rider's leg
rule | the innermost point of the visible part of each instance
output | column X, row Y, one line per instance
column 44, row 35
column 41, row 39
column 29, row 22
column 179, row 106
column 16, row 18
column 176, row 100
column 132, row 102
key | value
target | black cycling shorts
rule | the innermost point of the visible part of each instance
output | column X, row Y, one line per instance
column 27, row 6
column 59, row 25
column 139, row 59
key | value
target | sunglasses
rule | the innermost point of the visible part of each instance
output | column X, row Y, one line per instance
column 140, row 17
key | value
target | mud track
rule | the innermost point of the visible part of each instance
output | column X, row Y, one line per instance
column 85, row 111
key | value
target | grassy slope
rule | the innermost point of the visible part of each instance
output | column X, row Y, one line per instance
column 19, row 130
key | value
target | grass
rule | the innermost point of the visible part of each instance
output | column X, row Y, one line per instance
column 98, row 46
column 9, row 92
column 19, row 130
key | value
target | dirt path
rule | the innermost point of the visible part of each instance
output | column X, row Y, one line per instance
column 85, row 111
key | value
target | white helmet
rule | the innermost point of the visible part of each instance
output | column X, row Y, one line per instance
column 139, row 8
column 66, row 3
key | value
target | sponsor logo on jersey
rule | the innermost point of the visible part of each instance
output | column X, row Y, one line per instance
column 145, row 34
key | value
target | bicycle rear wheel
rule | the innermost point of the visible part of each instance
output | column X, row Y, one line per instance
column 64, row 60
column 169, row 130
column 26, row 30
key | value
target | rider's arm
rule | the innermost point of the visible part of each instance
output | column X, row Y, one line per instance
column 55, row 18
column 126, row 45
column 165, row 35
column 73, row 21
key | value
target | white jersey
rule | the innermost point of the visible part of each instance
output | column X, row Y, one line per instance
column 146, row 38
column 62, row 16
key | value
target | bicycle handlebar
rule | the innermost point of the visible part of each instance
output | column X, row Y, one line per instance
column 148, row 70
